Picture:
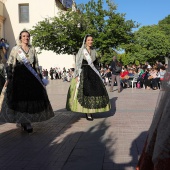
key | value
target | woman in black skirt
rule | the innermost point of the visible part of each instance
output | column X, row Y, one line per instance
column 26, row 98
column 87, row 93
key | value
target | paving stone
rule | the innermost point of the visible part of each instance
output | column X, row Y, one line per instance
column 112, row 141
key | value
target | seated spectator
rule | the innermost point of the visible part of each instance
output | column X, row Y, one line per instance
column 134, row 66
column 154, row 78
column 135, row 73
column 131, row 74
column 124, row 78
column 141, row 73
column 162, row 71
column 161, row 74
column 130, row 77
column 108, row 75
column 158, row 64
column 147, row 78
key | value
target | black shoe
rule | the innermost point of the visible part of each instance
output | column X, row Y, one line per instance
column 27, row 127
column 89, row 117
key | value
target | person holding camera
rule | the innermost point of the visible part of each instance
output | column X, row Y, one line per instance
column 116, row 69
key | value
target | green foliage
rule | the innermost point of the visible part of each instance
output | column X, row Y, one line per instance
column 60, row 34
column 110, row 28
column 166, row 20
column 165, row 26
column 149, row 44
column 64, row 34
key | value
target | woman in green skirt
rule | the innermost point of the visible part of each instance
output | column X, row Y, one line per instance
column 87, row 93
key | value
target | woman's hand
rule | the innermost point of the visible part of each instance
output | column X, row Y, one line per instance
column 77, row 79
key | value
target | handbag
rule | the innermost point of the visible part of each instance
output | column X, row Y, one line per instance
column 138, row 85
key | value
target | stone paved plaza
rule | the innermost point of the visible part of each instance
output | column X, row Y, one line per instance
column 112, row 141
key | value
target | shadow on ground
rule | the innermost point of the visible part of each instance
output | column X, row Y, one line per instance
column 109, row 113
column 63, row 144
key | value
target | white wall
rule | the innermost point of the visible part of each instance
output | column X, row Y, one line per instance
column 1, row 8
column 49, row 59
column 38, row 10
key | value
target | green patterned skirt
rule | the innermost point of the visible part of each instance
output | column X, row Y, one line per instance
column 91, row 96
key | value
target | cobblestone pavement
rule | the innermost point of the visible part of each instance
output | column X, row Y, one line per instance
column 112, row 141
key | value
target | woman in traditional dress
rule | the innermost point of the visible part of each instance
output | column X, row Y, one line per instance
column 156, row 152
column 25, row 99
column 2, row 77
column 87, row 93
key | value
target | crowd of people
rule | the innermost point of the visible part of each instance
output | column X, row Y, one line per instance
column 147, row 76
column 57, row 73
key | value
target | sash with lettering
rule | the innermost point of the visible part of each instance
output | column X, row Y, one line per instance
column 90, row 63
column 28, row 66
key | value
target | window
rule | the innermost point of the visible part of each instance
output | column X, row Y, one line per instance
column 23, row 13
column 67, row 3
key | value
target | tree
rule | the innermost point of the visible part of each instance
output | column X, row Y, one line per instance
column 111, row 28
column 60, row 34
column 165, row 26
column 150, row 43
column 166, row 20
column 64, row 34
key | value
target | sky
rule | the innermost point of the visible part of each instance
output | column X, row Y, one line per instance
column 144, row 12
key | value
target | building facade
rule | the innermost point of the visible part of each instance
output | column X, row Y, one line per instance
column 2, row 19
column 24, row 14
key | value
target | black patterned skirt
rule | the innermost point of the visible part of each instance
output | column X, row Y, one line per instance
column 25, row 99
column 91, row 96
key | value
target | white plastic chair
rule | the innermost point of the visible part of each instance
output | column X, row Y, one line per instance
column 134, row 81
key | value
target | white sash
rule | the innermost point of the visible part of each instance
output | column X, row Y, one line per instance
column 27, row 64
column 90, row 63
